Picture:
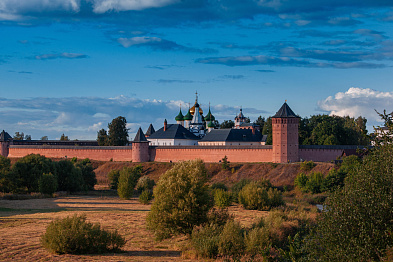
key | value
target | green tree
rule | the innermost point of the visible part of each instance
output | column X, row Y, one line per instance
column 19, row 136
column 182, row 200
column 44, row 138
column 26, row 172
column 27, row 137
column 118, row 132
column 5, row 166
column 69, row 178
column 357, row 225
column 88, row 174
column 47, row 184
column 128, row 179
column 267, row 130
column 113, row 177
column 64, row 138
column 260, row 121
column 227, row 124
column 102, row 138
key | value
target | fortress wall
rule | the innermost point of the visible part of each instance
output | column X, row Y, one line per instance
column 95, row 153
column 319, row 155
column 212, row 154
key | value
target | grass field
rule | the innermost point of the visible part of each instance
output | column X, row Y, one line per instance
column 22, row 223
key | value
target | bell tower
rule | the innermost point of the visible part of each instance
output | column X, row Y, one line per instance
column 285, row 130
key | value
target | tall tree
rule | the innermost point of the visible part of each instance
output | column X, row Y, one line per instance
column 267, row 130
column 118, row 132
column 227, row 124
column 64, row 138
column 27, row 137
column 44, row 138
column 19, row 136
column 260, row 121
column 102, row 138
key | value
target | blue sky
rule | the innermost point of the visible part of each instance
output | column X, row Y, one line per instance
column 71, row 66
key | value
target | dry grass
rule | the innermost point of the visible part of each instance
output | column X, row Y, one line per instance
column 22, row 223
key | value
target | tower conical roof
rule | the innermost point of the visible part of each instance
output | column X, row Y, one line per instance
column 209, row 116
column 180, row 116
column 210, row 124
column 150, row 130
column 4, row 136
column 140, row 137
column 284, row 112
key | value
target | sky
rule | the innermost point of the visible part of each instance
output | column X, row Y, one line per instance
column 71, row 66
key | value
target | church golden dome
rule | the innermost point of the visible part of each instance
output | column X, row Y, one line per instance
column 192, row 110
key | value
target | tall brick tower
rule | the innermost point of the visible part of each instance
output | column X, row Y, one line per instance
column 5, row 141
column 285, row 129
column 140, row 148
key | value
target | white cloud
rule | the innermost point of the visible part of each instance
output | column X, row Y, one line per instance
column 138, row 40
column 359, row 102
column 102, row 6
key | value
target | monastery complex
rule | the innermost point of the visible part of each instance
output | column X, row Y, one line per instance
column 193, row 136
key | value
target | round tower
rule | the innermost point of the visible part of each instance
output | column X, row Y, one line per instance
column 140, row 148
column 285, row 130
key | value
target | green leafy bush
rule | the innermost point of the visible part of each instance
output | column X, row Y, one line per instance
column 315, row 183
column 73, row 235
column 275, row 197
column 204, row 240
column 145, row 183
column 182, row 200
column 5, row 166
column 69, row 178
column 222, row 198
column 231, row 240
column 307, row 165
column 145, row 197
column 113, row 177
column 254, row 197
column 88, row 174
column 237, row 187
column 225, row 163
column 257, row 241
column 47, row 184
column 219, row 185
column 127, row 181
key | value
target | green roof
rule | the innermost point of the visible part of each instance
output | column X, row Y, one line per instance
column 211, row 124
column 188, row 116
column 209, row 116
column 180, row 116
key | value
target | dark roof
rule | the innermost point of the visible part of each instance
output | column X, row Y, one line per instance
column 150, row 130
column 173, row 131
column 285, row 111
column 248, row 124
column 140, row 137
column 4, row 136
column 233, row 135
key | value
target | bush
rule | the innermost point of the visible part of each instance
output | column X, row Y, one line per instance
column 307, row 165
column 182, row 200
column 237, row 187
column 275, row 197
column 145, row 183
column 301, row 181
column 5, row 166
column 73, row 235
column 222, row 198
column 231, row 242
column 254, row 197
column 145, row 197
column 47, row 184
column 204, row 240
column 315, row 183
column 225, row 163
column 113, row 177
column 258, row 241
column 219, row 186
column 127, row 182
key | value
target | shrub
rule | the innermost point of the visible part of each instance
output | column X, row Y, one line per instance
column 47, row 184
column 254, row 197
column 222, row 198
column 231, row 242
column 219, row 186
column 204, row 240
column 301, row 181
column 145, row 183
column 258, row 241
column 333, row 181
column 307, row 165
column 113, row 177
column 218, row 217
column 237, row 187
column 5, row 166
column 73, row 235
column 275, row 197
column 315, row 183
column 145, row 197
column 182, row 200
column 127, row 182
column 225, row 163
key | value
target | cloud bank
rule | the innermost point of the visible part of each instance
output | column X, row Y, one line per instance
column 359, row 102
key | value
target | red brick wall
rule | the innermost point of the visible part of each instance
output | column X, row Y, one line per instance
column 319, row 155
column 140, row 152
column 101, row 154
column 211, row 154
column 4, row 148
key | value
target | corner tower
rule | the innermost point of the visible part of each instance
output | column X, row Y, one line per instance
column 140, row 148
column 285, row 130
column 5, row 142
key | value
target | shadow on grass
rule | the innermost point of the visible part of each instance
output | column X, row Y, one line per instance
column 147, row 253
